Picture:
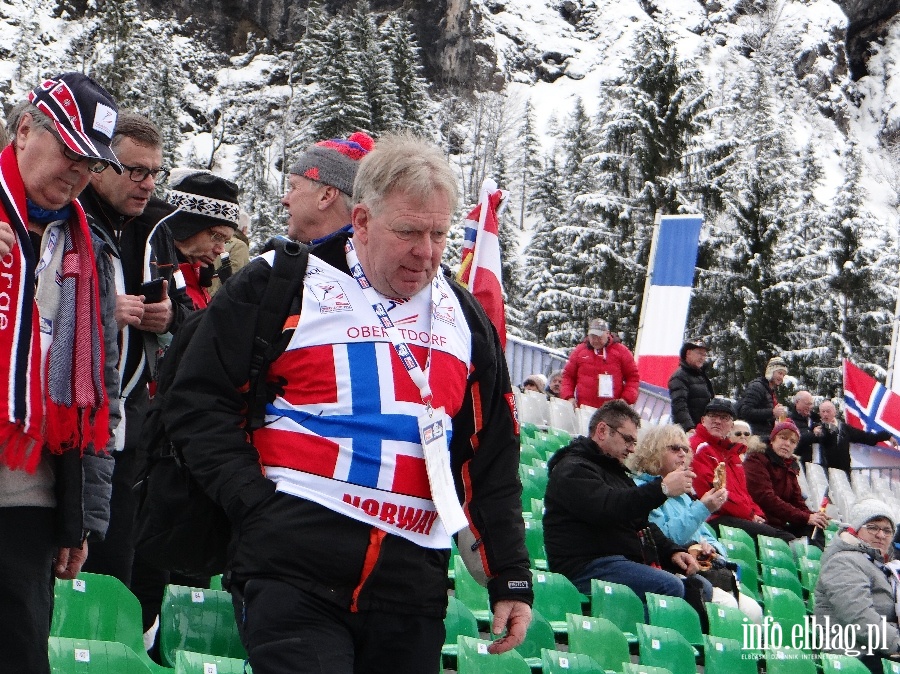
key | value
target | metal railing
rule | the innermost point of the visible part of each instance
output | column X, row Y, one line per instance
column 891, row 472
column 524, row 358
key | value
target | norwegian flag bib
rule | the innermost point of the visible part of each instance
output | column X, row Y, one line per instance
column 344, row 433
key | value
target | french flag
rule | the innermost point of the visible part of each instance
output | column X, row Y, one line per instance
column 480, row 268
column 869, row 406
column 667, row 297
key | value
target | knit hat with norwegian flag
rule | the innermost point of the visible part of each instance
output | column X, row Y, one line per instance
column 334, row 162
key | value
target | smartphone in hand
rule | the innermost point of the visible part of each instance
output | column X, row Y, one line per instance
column 152, row 291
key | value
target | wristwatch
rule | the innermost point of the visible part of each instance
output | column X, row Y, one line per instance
column 665, row 489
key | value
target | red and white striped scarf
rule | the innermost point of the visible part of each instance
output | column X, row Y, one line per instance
column 67, row 408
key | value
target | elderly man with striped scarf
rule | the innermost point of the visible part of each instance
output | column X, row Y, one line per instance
column 56, row 356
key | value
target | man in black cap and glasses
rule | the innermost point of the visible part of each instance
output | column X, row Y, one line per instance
column 124, row 215
column 689, row 388
column 61, row 402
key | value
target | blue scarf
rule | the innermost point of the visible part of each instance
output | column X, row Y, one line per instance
column 43, row 216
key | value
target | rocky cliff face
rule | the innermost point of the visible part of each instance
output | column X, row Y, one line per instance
column 449, row 30
column 868, row 20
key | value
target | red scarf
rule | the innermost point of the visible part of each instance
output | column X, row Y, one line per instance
column 30, row 419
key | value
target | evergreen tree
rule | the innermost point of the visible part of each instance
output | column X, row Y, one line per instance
column 403, row 52
column 375, row 72
column 529, row 160
column 339, row 106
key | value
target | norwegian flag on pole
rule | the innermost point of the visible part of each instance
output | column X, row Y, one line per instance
column 869, row 406
column 480, row 268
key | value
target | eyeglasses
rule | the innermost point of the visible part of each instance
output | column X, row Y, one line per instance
column 874, row 529
column 218, row 237
column 93, row 165
column 630, row 440
column 138, row 174
column 741, row 434
column 675, row 449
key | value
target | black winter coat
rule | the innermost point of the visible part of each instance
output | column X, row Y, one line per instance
column 300, row 542
column 835, row 444
column 689, row 390
column 756, row 406
column 807, row 437
column 594, row 509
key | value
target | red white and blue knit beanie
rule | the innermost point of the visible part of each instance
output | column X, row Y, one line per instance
column 334, row 162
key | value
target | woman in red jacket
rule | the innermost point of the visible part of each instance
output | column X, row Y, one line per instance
column 772, row 482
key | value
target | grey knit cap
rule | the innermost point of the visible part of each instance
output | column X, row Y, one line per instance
column 334, row 162
column 869, row 509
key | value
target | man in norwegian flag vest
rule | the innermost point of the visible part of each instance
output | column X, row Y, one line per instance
column 59, row 361
column 390, row 428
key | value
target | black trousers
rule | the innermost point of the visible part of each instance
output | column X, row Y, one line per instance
column 26, row 588
column 289, row 631
column 114, row 555
column 753, row 528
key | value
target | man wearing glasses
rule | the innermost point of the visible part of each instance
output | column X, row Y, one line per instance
column 596, row 518
column 61, row 395
column 121, row 213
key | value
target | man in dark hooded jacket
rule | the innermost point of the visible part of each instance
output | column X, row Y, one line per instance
column 689, row 388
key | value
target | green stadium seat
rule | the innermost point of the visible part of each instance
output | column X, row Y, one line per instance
column 530, row 489
column 459, row 622
column 600, row 639
column 555, row 597
column 537, row 509
column 187, row 662
column 734, row 534
column 538, row 637
column 99, row 608
column 783, row 606
column 676, row 613
column 90, row 656
column 786, row 661
column 774, row 576
column 778, row 558
column 890, row 666
column 527, row 453
column 201, row 621
column 842, row 664
column 772, row 543
column 726, row 622
column 534, row 542
column 637, row 668
column 470, row 592
column 559, row 662
column 749, row 577
column 619, row 604
column 473, row 658
column 740, row 552
column 725, row 656
column 664, row 647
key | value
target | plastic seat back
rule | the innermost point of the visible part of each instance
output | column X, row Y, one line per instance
column 725, row 656
column 459, row 622
column 842, row 664
column 664, row 647
column 726, row 622
column 676, row 613
column 890, row 666
column 470, row 592
column 619, row 604
column 749, row 577
column 473, row 658
column 534, row 542
column 600, row 639
column 201, row 621
column 779, row 558
column 637, row 668
column 99, row 608
column 559, row 662
column 737, row 551
column 785, row 661
column 734, row 534
column 555, row 596
column 538, row 637
column 187, row 662
column 784, row 607
column 772, row 543
column 90, row 656
column 774, row 576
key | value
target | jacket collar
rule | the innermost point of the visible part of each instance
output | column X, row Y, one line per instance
column 791, row 465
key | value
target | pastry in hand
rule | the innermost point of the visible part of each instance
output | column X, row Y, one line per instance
column 719, row 477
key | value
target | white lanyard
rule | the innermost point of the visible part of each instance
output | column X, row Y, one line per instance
column 418, row 376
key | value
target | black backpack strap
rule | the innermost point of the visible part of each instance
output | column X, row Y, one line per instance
column 285, row 284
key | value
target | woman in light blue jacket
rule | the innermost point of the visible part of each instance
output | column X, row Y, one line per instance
column 660, row 450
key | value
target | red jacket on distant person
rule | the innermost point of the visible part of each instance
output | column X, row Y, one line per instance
column 709, row 451
column 581, row 376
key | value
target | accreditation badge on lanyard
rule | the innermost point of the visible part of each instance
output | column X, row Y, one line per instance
column 434, row 424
